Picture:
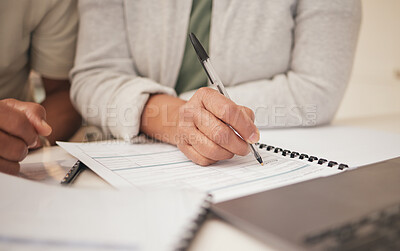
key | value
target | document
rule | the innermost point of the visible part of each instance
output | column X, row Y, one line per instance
column 351, row 145
column 158, row 165
column 35, row 216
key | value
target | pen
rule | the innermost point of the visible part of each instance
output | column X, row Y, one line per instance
column 215, row 80
column 73, row 173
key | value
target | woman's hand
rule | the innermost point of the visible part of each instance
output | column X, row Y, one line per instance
column 199, row 127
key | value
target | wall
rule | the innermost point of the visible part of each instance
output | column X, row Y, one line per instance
column 374, row 88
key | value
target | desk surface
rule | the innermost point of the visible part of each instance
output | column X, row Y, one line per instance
column 214, row 234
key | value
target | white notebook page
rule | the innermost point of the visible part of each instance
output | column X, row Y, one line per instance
column 35, row 216
column 156, row 165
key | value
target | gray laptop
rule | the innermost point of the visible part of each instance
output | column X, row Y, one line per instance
column 355, row 210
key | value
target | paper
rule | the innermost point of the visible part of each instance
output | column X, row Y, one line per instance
column 351, row 145
column 36, row 216
column 47, row 165
column 157, row 165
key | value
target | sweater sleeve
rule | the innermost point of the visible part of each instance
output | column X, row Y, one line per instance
column 106, row 89
column 309, row 93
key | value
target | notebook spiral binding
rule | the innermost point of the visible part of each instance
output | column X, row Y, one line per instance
column 302, row 156
column 195, row 225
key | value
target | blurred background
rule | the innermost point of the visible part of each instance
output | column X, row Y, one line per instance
column 374, row 89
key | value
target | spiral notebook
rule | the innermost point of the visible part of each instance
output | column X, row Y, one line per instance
column 158, row 165
column 36, row 216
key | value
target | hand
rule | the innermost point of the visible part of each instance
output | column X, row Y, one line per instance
column 20, row 125
column 203, row 134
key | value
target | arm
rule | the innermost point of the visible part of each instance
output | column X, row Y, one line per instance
column 61, row 115
column 52, row 54
column 105, row 85
column 310, row 92
column 110, row 93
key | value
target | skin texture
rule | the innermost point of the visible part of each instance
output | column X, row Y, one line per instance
column 21, row 123
column 199, row 127
column 61, row 115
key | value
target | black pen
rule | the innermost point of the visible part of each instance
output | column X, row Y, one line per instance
column 73, row 173
column 215, row 80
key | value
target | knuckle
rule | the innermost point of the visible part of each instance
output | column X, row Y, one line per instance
column 227, row 111
column 9, row 101
column 26, row 131
column 203, row 91
column 243, row 149
column 212, row 152
column 218, row 153
column 37, row 109
column 19, row 119
column 20, row 150
column 249, row 112
column 220, row 133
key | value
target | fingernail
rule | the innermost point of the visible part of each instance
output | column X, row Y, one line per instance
column 34, row 143
column 46, row 127
column 25, row 153
column 254, row 137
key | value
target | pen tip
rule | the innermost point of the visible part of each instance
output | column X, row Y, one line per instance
column 260, row 160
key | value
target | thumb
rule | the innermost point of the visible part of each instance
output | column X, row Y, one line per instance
column 35, row 113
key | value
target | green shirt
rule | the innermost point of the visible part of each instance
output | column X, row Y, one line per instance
column 191, row 75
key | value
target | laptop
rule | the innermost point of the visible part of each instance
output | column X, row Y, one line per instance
column 356, row 210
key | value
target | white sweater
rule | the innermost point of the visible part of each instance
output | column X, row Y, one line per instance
column 288, row 60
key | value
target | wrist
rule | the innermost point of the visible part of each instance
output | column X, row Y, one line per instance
column 160, row 117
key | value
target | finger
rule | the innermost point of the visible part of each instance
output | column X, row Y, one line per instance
column 9, row 167
column 227, row 111
column 220, row 133
column 14, row 149
column 193, row 155
column 37, row 145
column 15, row 122
column 207, row 148
column 35, row 113
column 249, row 112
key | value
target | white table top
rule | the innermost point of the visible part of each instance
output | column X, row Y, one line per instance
column 215, row 234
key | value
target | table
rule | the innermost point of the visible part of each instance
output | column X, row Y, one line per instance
column 214, row 234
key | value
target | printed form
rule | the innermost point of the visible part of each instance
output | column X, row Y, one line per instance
column 158, row 165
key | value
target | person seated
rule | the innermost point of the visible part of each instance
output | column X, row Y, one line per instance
column 284, row 63
column 38, row 36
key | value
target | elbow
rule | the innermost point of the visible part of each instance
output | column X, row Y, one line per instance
column 325, row 113
column 321, row 109
column 318, row 99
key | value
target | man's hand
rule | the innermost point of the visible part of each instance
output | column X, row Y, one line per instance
column 199, row 127
column 21, row 123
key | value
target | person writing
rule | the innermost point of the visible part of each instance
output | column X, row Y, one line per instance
column 39, row 36
column 284, row 63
